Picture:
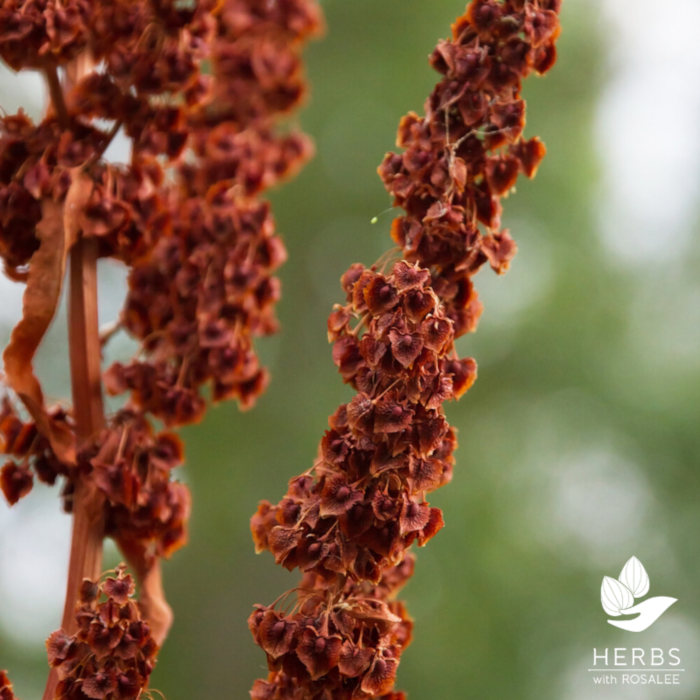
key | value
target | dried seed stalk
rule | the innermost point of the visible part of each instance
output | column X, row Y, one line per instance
column 198, row 89
column 349, row 522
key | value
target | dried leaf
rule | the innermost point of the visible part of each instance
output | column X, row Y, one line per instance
column 57, row 232
column 152, row 603
column 39, row 304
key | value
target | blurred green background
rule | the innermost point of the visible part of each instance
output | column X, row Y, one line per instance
column 579, row 442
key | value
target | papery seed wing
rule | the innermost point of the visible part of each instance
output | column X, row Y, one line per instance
column 615, row 596
column 635, row 577
column 372, row 611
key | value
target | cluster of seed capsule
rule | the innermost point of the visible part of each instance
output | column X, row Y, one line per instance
column 349, row 521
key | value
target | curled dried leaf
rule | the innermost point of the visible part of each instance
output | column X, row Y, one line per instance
column 39, row 305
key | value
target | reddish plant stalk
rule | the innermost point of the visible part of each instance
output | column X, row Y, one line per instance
column 88, row 503
column 86, row 383
column 84, row 341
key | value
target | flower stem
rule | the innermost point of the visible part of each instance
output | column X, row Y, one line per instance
column 88, row 502
column 84, row 340
column 56, row 92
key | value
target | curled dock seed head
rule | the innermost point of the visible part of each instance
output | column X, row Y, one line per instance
column 112, row 654
column 198, row 89
column 349, row 522
column 468, row 150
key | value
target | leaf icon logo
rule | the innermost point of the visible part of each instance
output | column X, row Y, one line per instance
column 635, row 577
column 615, row 596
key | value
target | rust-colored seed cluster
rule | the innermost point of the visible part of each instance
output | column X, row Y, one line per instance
column 468, row 149
column 28, row 446
column 349, row 528
column 113, row 653
column 348, row 522
column 202, row 293
column 6, row 692
column 198, row 89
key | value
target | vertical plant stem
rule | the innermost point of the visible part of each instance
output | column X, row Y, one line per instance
column 84, row 339
column 84, row 354
column 56, row 93
column 88, row 502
